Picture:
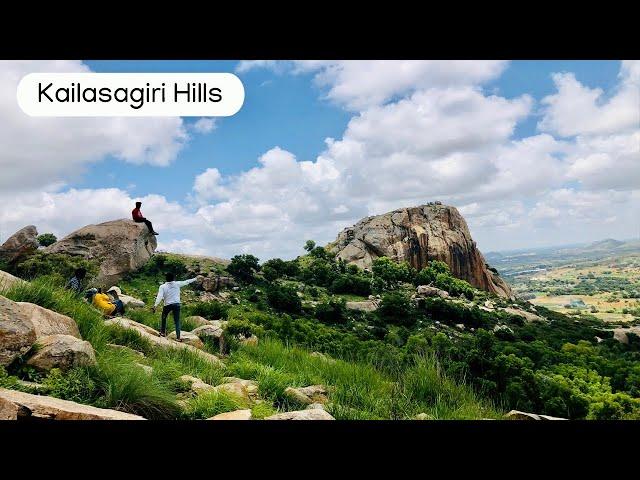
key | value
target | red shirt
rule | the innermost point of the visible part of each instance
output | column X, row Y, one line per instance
column 137, row 214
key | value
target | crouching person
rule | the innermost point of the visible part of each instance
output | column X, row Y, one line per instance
column 105, row 304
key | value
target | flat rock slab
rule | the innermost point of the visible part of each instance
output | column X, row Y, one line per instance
column 15, row 405
column 311, row 414
column 366, row 306
column 235, row 415
column 155, row 339
column 188, row 338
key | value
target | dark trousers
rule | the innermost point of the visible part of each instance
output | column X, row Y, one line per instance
column 175, row 309
column 119, row 307
column 147, row 223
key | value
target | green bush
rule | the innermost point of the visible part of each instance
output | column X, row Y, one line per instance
column 349, row 283
column 243, row 268
column 388, row 275
column 284, row 298
column 57, row 266
column 212, row 310
column 397, row 309
column 76, row 385
column 47, row 239
column 332, row 311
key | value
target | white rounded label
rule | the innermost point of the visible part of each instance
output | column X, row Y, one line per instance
column 130, row 94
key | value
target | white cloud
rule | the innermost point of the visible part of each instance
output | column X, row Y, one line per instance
column 38, row 151
column 358, row 84
column 205, row 125
column 579, row 110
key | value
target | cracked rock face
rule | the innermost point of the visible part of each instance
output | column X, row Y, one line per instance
column 419, row 235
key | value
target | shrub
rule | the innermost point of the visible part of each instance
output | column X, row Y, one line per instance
column 213, row 310
column 396, row 308
column 76, row 385
column 387, row 274
column 284, row 298
column 277, row 268
column 349, row 283
column 47, row 239
column 244, row 267
column 58, row 266
column 161, row 264
column 332, row 311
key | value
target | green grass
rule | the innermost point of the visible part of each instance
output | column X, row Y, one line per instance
column 356, row 390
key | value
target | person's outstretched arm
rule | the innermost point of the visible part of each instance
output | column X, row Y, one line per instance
column 182, row 283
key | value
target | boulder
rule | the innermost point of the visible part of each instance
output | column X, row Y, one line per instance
column 63, row 352
column 196, row 385
column 208, row 331
column 308, row 395
column 620, row 334
column 188, row 338
column 235, row 415
column 214, row 283
column 153, row 336
column 419, row 235
column 17, row 333
column 310, row 414
column 250, row 385
column 47, row 322
column 19, row 245
column 119, row 246
column 528, row 316
column 7, row 281
column 366, row 306
column 130, row 301
column 518, row 415
column 197, row 320
column 237, row 389
column 15, row 405
column 429, row 291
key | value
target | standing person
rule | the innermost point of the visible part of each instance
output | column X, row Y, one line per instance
column 169, row 292
column 136, row 213
column 75, row 283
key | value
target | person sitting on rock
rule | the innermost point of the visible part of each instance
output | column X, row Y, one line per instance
column 103, row 302
column 139, row 218
column 75, row 283
column 169, row 292
column 113, row 293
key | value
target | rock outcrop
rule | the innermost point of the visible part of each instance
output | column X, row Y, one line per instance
column 20, row 244
column 418, row 235
column 16, row 405
column 118, row 246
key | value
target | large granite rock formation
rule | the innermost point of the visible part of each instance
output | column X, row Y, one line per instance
column 418, row 235
column 20, row 244
column 119, row 246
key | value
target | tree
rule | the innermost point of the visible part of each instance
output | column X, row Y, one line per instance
column 244, row 267
column 47, row 239
column 387, row 274
column 397, row 309
column 284, row 298
column 309, row 245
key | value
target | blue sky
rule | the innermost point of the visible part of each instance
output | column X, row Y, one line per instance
column 533, row 153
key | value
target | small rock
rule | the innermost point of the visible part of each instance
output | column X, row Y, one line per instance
column 315, row 405
column 188, row 338
column 196, row 385
column 308, row 395
column 423, row 416
column 235, row 415
column 312, row 414
column 460, row 326
column 147, row 369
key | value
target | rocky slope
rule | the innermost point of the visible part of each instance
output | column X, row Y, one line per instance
column 119, row 246
column 418, row 235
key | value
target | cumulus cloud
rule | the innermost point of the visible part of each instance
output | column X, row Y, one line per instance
column 358, row 84
column 39, row 151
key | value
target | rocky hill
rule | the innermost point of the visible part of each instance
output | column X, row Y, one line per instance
column 418, row 235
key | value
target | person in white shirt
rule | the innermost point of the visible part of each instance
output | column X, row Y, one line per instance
column 169, row 292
